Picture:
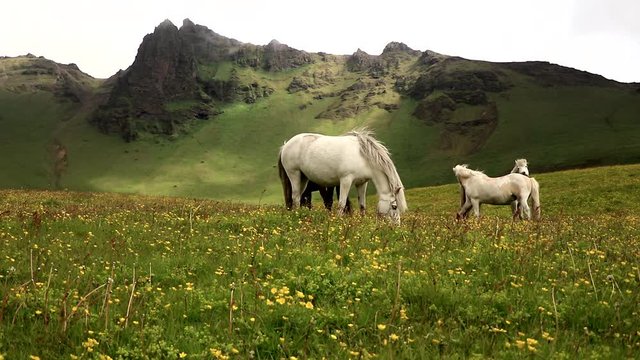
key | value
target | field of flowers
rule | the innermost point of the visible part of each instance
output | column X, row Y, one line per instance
column 108, row 276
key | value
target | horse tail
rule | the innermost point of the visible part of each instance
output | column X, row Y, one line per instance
column 286, row 183
column 535, row 196
column 463, row 195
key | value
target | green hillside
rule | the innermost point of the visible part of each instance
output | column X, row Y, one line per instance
column 232, row 156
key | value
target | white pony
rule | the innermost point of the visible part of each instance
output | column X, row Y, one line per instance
column 353, row 158
column 478, row 188
column 522, row 167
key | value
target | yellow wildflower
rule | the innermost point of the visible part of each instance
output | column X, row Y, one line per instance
column 546, row 336
column 309, row 305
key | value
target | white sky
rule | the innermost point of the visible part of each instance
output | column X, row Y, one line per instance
column 101, row 37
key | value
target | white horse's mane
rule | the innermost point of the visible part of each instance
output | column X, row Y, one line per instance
column 379, row 156
column 464, row 171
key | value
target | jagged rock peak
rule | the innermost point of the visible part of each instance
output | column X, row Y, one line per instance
column 361, row 61
column 360, row 52
column 277, row 45
column 188, row 23
column 395, row 46
column 278, row 56
column 166, row 24
column 431, row 57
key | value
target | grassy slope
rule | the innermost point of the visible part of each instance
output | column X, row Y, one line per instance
column 232, row 156
column 586, row 125
column 28, row 123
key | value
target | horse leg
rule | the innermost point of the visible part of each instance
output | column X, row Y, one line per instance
column 298, row 184
column 305, row 198
column 476, row 208
column 514, row 209
column 362, row 197
column 469, row 208
column 345, row 185
column 347, row 207
column 517, row 212
column 525, row 208
column 327, row 196
column 464, row 209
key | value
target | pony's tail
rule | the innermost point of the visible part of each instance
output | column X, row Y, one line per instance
column 535, row 197
column 286, row 184
column 463, row 195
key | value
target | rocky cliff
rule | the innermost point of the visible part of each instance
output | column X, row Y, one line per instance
column 166, row 90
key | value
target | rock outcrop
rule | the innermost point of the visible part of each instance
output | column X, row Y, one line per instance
column 170, row 85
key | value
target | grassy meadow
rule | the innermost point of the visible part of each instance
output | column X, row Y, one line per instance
column 112, row 276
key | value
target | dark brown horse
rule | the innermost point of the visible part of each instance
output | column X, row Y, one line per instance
column 325, row 192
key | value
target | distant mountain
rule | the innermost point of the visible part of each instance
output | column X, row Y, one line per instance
column 179, row 66
column 32, row 73
column 196, row 107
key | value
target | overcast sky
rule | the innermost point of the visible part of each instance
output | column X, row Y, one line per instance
column 101, row 37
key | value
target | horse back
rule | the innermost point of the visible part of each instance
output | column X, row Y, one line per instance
column 329, row 158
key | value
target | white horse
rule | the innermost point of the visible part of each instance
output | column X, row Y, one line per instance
column 521, row 167
column 353, row 158
column 478, row 188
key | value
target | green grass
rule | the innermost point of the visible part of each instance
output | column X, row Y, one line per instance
column 29, row 122
column 131, row 277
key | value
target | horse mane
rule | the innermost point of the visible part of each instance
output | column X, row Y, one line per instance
column 462, row 171
column 378, row 156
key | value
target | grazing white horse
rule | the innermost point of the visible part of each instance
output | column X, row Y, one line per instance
column 478, row 188
column 353, row 158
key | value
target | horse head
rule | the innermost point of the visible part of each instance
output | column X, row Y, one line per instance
column 521, row 167
column 392, row 207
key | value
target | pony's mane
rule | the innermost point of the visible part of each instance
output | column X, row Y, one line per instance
column 379, row 156
column 464, row 171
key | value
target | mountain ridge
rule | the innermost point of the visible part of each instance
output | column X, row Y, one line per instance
column 193, row 92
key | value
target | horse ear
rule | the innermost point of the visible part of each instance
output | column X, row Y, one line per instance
column 398, row 190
